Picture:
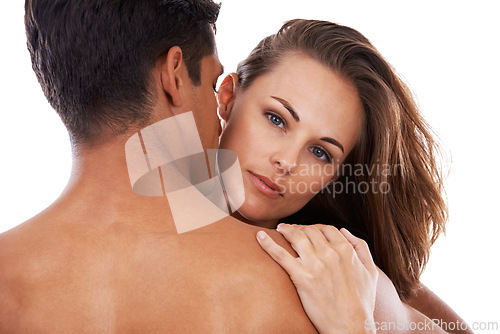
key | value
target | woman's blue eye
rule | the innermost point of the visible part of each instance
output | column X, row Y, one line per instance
column 276, row 120
column 320, row 153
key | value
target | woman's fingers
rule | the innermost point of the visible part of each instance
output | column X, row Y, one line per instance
column 333, row 274
column 278, row 253
column 332, row 234
column 312, row 232
column 313, row 243
column 298, row 240
column 361, row 248
column 343, row 242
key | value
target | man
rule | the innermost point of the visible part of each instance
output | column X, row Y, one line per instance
column 102, row 258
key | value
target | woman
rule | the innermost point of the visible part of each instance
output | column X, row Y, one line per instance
column 326, row 132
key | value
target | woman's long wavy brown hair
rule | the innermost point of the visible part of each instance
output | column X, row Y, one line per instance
column 404, row 214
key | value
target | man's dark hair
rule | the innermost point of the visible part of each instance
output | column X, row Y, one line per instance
column 93, row 58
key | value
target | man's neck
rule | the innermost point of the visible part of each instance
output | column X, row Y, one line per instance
column 99, row 191
column 102, row 190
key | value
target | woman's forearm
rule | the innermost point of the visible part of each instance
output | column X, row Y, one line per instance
column 428, row 303
column 393, row 316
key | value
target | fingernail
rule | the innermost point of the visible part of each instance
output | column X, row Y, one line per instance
column 279, row 226
column 261, row 235
column 343, row 228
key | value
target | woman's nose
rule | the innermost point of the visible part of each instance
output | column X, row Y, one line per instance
column 285, row 164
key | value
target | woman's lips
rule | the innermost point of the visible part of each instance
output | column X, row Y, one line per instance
column 265, row 185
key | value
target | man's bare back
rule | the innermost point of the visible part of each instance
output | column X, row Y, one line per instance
column 79, row 267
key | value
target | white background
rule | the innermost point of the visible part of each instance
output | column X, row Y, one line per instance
column 447, row 51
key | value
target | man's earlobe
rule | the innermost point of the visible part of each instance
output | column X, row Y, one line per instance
column 225, row 95
column 171, row 78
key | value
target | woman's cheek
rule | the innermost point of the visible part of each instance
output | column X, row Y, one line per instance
column 304, row 187
column 316, row 186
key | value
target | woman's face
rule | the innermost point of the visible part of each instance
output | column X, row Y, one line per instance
column 291, row 128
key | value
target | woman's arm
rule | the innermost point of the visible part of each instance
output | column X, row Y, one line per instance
column 434, row 307
column 393, row 316
column 423, row 309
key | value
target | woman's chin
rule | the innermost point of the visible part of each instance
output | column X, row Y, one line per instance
column 256, row 217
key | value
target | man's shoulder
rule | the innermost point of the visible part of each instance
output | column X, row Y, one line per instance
column 17, row 253
column 220, row 271
column 246, row 286
column 235, row 243
column 26, row 240
column 22, row 248
column 16, row 244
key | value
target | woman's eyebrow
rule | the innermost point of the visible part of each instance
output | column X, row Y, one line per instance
column 334, row 142
column 296, row 118
column 287, row 107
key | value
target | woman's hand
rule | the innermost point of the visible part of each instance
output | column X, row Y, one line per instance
column 334, row 274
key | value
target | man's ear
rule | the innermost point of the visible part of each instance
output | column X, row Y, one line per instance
column 171, row 79
column 225, row 95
